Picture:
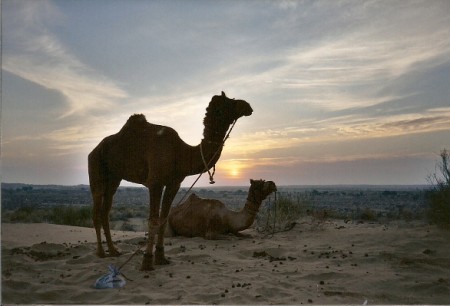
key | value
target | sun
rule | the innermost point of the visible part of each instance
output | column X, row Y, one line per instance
column 233, row 168
column 234, row 172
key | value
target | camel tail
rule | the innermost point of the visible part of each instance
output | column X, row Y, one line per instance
column 96, row 171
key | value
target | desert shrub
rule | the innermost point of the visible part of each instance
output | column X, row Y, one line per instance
column 120, row 213
column 125, row 212
column 26, row 214
column 319, row 218
column 368, row 215
column 337, row 214
column 439, row 203
column 126, row 226
column 408, row 215
column 288, row 210
column 439, row 195
column 281, row 214
column 61, row 214
column 71, row 215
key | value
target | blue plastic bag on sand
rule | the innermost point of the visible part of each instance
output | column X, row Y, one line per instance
column 111, row 280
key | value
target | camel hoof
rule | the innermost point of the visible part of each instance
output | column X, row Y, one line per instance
column 100, row 254
column 147, row 267
column 147, row 263
column 161, row 261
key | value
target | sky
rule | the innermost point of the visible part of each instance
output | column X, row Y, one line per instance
column 343, row 92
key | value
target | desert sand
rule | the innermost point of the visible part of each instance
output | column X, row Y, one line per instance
column 335, row 263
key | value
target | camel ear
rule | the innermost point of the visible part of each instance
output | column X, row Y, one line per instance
column 251, row 181
column 223, row 94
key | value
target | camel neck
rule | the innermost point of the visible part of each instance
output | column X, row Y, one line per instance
column 210, row 148
column 210, row 151
column 212, row 136
column 252, row 207
column 243, row 219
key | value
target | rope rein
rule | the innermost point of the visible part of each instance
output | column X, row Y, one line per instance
column 211, row 178
column 274, row 209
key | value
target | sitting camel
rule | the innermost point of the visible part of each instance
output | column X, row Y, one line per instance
column 210, row 218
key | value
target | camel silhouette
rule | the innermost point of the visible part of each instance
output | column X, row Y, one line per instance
column 156, row 157
column 211, row 219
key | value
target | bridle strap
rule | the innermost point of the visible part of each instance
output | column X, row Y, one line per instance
column 206, row 164
column 211, row 176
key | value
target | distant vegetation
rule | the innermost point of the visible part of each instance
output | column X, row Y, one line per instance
column 60, row 214
column 439, row 196
column 355, row 205
column 71, row 205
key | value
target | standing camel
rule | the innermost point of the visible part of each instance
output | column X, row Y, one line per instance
column 156, row 157
column 211, row 219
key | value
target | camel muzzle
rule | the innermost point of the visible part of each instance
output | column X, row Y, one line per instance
column 243, row 108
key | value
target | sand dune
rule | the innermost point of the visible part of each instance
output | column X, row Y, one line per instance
column 19, row 234
column 337, row 264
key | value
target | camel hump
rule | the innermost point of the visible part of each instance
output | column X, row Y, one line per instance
column 135, row 122
column 193, row 197
column 136, row 119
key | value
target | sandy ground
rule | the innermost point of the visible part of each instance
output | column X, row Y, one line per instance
column 338, row 263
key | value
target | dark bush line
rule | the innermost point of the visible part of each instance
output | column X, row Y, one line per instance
column 61, row 214
column 439, row 195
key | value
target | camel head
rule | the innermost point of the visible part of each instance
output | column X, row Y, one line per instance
column 239, row 107
column 221, row 113
column 260, row 190
column 226, row 110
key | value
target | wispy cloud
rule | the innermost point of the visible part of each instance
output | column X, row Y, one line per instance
column 38, row 56
column 339, row 129
column 349, row 66
column 345, row 72
column 63, row 141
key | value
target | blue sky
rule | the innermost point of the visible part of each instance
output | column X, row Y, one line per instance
column 343, row 92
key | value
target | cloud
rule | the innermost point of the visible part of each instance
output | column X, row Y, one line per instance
column 343, row 73
column 344, row 60
column 32, row 52
column 395, row 125
column 338, row 130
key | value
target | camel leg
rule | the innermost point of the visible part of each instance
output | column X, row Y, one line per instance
column 153, row 225
column 107, row 204
column 169, row 195
column 96, row 180
column 97, row 219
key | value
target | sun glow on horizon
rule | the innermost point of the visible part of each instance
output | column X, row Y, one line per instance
column 234, row 172
column 233, row 168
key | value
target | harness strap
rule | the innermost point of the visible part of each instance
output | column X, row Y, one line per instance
column 211, row 176
column 206, row 165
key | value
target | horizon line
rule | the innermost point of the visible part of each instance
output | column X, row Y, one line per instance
column 234, row 186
